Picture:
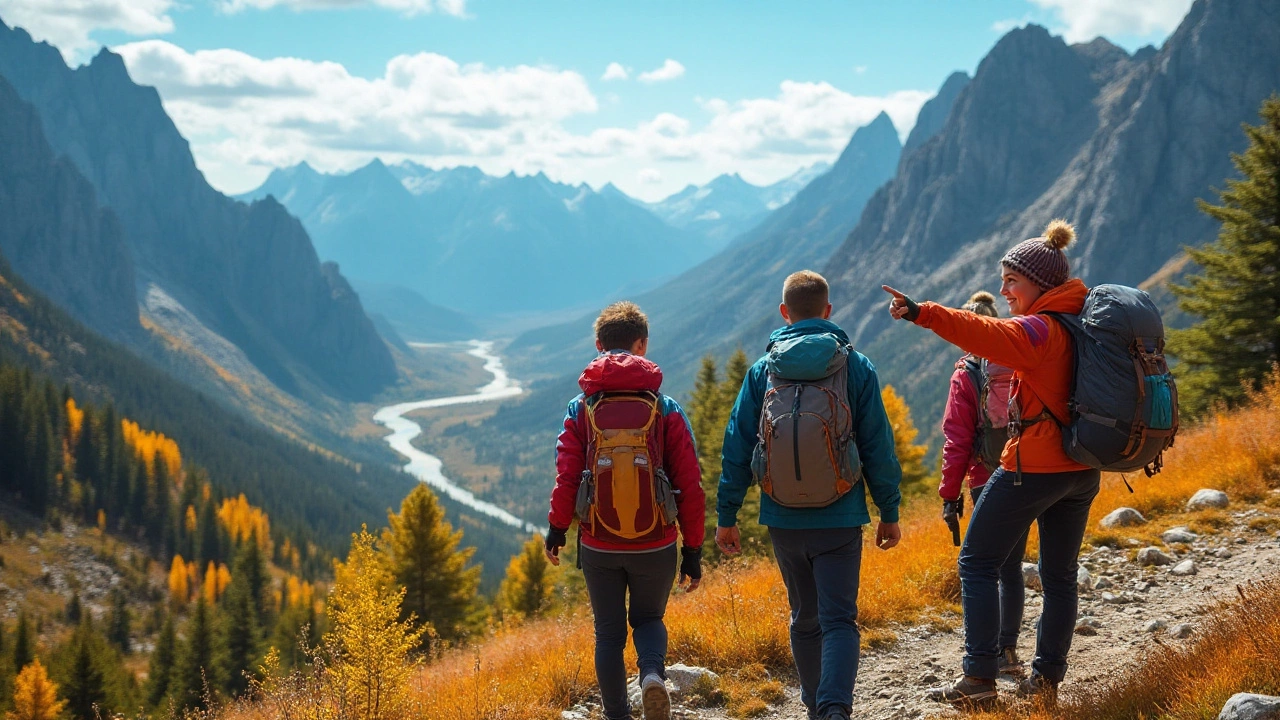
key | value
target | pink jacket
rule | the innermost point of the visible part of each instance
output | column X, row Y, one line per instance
column 960, row 425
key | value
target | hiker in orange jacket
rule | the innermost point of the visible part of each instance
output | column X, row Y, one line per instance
column 1036, row 481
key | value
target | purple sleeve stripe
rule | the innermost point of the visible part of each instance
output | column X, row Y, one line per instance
column 1035, row 327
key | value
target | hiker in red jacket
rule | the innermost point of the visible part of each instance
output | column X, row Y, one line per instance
column 974, row 430
column 627, row 470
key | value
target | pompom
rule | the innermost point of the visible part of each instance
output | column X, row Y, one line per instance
column 1059, row 234
column 982, row 297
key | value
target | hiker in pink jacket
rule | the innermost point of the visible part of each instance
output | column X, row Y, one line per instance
column 974, row 432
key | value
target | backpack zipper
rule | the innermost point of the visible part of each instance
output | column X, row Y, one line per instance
column 795, row 430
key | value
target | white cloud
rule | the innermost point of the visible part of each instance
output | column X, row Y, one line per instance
column 670, row 70
column 68, row 24
column 1004, row 26
column 1086, row 19
column 860, row 69
column 457, row 8
column 615, row 71
column 244, row 115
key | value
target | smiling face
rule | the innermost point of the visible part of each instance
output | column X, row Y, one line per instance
column 1020, row 292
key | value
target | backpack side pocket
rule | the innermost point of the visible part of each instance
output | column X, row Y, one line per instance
column 586, row 497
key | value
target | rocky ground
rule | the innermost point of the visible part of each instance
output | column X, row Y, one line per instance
column 1132, row 597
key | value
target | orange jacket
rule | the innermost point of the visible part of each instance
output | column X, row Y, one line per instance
column 1040, row 352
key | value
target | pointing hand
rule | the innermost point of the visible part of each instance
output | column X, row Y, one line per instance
column 901, row 306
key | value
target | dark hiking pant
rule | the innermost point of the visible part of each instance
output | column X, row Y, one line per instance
column 648, row 577
column 820, row 569
column 1059, row 502
column 1012, row 592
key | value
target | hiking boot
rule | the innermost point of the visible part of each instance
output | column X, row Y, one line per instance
column 1038, row 686
column 654, row 698
column 1009, row 662
column 835, row 712
column 963, row 691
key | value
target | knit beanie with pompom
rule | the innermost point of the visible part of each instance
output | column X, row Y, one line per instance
column 982, row 303
column 1042, row 259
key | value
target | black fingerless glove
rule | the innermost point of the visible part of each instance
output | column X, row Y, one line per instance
column 691, row 563
column 913, row 308
column 556, row 539
column 953, row 508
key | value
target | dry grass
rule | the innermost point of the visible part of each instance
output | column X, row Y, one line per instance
column 736, row 623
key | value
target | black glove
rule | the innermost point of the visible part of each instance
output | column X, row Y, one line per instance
column 690, row 563
column 952, row 511
column 913, row 308
column 556, row 539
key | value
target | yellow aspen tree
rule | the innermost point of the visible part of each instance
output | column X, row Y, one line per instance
column 224, row 578
column 371, row 648
column 35, row 696
column 529, row 587
column 179, row 589
column 915, row 476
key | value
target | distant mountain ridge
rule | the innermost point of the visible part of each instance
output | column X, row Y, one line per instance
column 728, row 205
column 481, row 244
column 246, row 274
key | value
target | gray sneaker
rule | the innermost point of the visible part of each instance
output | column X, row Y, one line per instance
column 966, row 690
column 655, row 698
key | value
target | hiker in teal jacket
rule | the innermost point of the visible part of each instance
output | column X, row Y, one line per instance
column 818, row 549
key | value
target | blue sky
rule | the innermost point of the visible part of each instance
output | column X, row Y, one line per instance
column 696, row 89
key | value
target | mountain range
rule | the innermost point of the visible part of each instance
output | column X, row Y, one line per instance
column 242, row 278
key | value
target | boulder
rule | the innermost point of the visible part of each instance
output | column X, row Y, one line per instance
column 1084, row 580
column 1206, row 498
column 1182, row 631
column 681, row 677
column 1155, row 626
column 1186, row 567
column 1248, row 706
column 1122, row 517
column 1178, row 534
column 1031, row 575
column 1153, row 556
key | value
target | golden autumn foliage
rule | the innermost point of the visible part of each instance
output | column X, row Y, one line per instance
column 148, row 444
column 75, row 421
column 297, row 592
column 243, row 521
column 35, row 696
column 216, row 580
column 371, row 649
column 915, row 476
column 529, row 587
column 179, row 587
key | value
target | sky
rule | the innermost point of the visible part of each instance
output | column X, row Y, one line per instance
column 650, row 96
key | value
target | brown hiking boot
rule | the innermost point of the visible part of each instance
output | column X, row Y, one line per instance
column 654, row 698
column 964, row 691
column 1009, row 662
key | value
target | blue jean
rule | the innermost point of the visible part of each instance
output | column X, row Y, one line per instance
column 648, row 577
column 1059, row 502
column 820, row 569
column 1013, row 594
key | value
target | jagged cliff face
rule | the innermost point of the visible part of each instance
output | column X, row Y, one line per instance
column 1121, row 145
column 248, row 273
column 52, row 230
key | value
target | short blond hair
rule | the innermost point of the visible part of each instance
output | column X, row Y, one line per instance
column 620, row 325
column 805, row 294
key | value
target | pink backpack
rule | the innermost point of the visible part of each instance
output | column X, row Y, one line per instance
column 993, row 384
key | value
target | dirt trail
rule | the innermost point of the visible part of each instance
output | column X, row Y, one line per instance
column 892, row 681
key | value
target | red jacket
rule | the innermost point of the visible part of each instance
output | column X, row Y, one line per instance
column 960, row 425
column 621, row 371
column 1041, row 354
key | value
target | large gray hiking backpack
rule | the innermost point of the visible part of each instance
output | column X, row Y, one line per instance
column 806, row 456
column 1124, row 404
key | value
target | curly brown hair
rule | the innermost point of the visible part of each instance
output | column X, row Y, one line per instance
column 620, row 325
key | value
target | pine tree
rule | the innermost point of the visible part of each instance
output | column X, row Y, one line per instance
column 915, row 476
column 119, row 622
column 242, row 617
column 74, row 609
column 35, row 696
column 85, row 688
column 210, row 542
column 372, row 650
column 195, row 666
column 161, row 665
column 529, row 587
column 424, row 557
column 1237, row 293
column 23, row 647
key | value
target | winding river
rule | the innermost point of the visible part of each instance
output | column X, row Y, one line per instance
column 428, row 468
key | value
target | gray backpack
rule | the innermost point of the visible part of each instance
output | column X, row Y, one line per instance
column 806, row 456
column 1124, row 404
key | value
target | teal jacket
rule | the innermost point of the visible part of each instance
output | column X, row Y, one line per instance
column 872, row 433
